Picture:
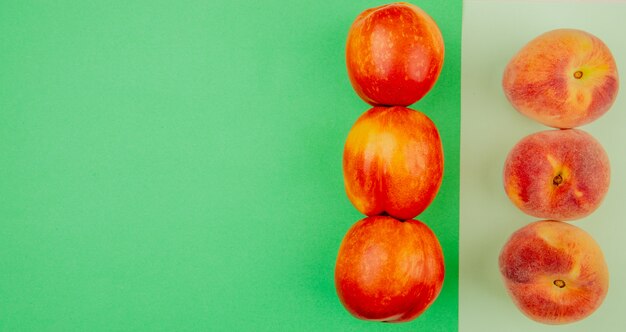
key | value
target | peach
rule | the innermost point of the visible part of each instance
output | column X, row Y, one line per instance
column 393, row 162
column 554, row 272
column 394, row 54
column 389, row 270
column 564, row 78
column 557, row 174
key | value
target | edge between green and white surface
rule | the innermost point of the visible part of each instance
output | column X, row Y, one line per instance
column 493, row 31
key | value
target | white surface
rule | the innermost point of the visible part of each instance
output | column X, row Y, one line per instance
column 493, row 31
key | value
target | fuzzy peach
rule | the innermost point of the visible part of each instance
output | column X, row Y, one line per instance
column 554, row 272
column 564, row 78
column 393, row 162
column 557, row 174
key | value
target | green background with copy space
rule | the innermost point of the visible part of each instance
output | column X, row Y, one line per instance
column 176, row 166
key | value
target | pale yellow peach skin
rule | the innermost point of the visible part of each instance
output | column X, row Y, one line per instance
column 554, row 272
column 564, row 78
column 557, row 174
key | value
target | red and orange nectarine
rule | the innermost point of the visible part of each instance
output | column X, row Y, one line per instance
column 389, row 270
column 393, row 162
column 394, row 54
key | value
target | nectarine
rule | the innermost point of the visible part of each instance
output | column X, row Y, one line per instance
column 394, row 54
column 393, row 162
column 389, row 270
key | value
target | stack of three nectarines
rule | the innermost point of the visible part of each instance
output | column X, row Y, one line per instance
column 390, row 267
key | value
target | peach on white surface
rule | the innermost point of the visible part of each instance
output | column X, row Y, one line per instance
column 563, row 78
column 557, row 174
column 554, row 272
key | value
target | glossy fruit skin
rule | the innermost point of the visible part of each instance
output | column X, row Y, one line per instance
column 394, row 54
column 554, row 272
column 393, row 162
column 564, row 78
column 388, row 270
column 557, row 174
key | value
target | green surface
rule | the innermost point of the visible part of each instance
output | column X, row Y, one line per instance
column 177, row 166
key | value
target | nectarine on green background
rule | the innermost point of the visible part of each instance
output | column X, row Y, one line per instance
column 394, row 54
column 389, row 270
column 393, row 162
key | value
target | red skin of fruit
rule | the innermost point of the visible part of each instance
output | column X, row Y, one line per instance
column 393, row 162
column 394, row 54
column 557, row 174
column 564, row 78
column 554, row 272
column 389, row 270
